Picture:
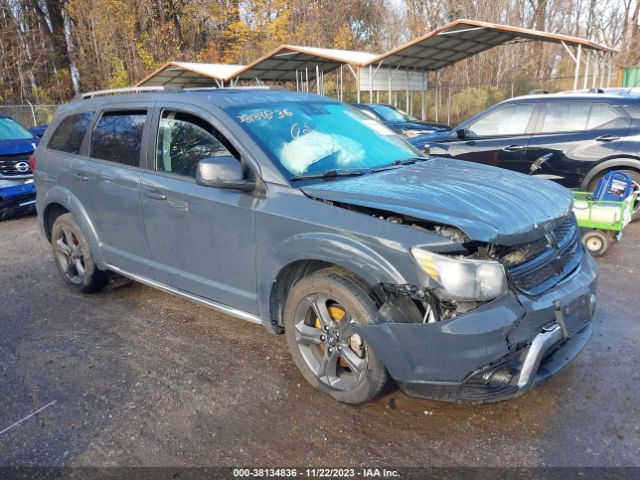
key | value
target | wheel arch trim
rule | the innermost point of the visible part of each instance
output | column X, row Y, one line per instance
column 609, row 164
column 329, row 248
column 68, row 200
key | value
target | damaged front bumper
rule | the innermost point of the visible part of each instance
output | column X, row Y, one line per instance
column 495, row 352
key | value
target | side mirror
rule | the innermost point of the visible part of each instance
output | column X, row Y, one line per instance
column 223, row 172
column 462, row 133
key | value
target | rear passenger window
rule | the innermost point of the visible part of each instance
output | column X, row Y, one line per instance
column 565, row 117
column 604, row 116
column 117, row 137
column 184, row 140
column 70, row 133
column 633, row 110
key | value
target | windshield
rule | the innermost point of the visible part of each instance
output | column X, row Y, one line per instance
column 12, row 130
column 390, row 114
column 311, row 137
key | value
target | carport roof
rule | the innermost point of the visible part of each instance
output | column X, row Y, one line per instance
column 283, row 62
column 187, row 74
column 462, row 39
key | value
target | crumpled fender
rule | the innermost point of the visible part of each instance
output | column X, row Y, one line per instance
column 339, row 250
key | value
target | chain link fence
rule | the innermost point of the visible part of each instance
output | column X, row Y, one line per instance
column 30, row 115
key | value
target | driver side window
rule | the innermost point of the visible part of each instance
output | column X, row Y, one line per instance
column 184, row 140
column 509, row 120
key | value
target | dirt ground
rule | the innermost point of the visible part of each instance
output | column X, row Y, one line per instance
column 133, row 376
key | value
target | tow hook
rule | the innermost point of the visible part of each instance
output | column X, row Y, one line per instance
column 560, row 318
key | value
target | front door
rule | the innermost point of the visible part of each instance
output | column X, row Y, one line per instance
column 499, row 138
column 201, row 238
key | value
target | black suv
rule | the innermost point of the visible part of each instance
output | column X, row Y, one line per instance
column 569, row 138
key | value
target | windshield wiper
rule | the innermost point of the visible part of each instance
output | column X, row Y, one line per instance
column 333, row 173
column 399, row 163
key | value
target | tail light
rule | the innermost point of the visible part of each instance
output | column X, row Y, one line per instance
column 33, row 162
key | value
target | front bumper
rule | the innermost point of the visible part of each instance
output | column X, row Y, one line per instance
column 16, row 199
column 495, row 352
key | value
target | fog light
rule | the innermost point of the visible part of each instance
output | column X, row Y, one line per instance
column 592, row 304
column 500, row 378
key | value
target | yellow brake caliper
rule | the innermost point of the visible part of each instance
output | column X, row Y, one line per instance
column 337, row 314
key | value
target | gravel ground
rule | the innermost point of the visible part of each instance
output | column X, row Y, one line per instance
column 133, row 376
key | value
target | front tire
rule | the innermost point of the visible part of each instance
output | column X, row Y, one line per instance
column 319, row 314
column 73, row 257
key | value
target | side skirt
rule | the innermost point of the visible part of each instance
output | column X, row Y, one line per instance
column 234, row 312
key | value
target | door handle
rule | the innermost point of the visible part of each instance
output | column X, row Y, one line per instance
column 513, row 148
column 607, row 138
column 81, row 176
column 155, row 194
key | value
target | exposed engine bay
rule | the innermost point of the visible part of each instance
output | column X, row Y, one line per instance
column 415, row 304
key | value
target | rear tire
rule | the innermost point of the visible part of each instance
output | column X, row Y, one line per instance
column 318, row 316
column 73, row 258
column 635, row 176
column 597, row 242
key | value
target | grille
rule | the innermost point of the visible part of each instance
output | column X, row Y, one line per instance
column 8, row 165
column 542, row 265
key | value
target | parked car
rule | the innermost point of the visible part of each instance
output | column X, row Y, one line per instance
column 17, row 190
column 399, row 121
column 459, row 281
column 573, row 139
column 38, row 131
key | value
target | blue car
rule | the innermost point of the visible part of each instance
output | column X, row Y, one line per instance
column 17, row 190
column 399, row 121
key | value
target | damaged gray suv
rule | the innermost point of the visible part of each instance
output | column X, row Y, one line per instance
column 455, row 280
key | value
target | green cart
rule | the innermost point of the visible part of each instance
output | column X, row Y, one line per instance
column 602, row 221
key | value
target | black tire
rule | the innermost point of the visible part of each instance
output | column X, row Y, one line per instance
column 73, row 258
column 353, row 372
column 597, row 242
column 635, row 176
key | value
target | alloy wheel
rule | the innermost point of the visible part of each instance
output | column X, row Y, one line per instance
column 331, row 349
column 69, row 255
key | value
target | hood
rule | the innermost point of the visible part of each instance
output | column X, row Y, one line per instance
column 441, row 135
column 489, row 204
column 16, row 147
column 413, row 126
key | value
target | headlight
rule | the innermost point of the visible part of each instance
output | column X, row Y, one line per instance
column 462, row 278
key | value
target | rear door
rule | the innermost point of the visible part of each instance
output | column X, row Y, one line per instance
column 572, row 136
column 201, row 238
column 106, row 180
column 498, row 138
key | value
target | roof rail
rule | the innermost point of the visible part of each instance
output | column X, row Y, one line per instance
column 116, row 91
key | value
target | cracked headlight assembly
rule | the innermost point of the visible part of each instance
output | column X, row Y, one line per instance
column 463, row 278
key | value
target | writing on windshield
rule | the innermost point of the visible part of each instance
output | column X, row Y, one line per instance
column 309, row 137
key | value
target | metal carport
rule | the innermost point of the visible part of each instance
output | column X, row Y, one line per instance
column 303, row 65
column 462, row 39
column 402, row 69
column 185, row 74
